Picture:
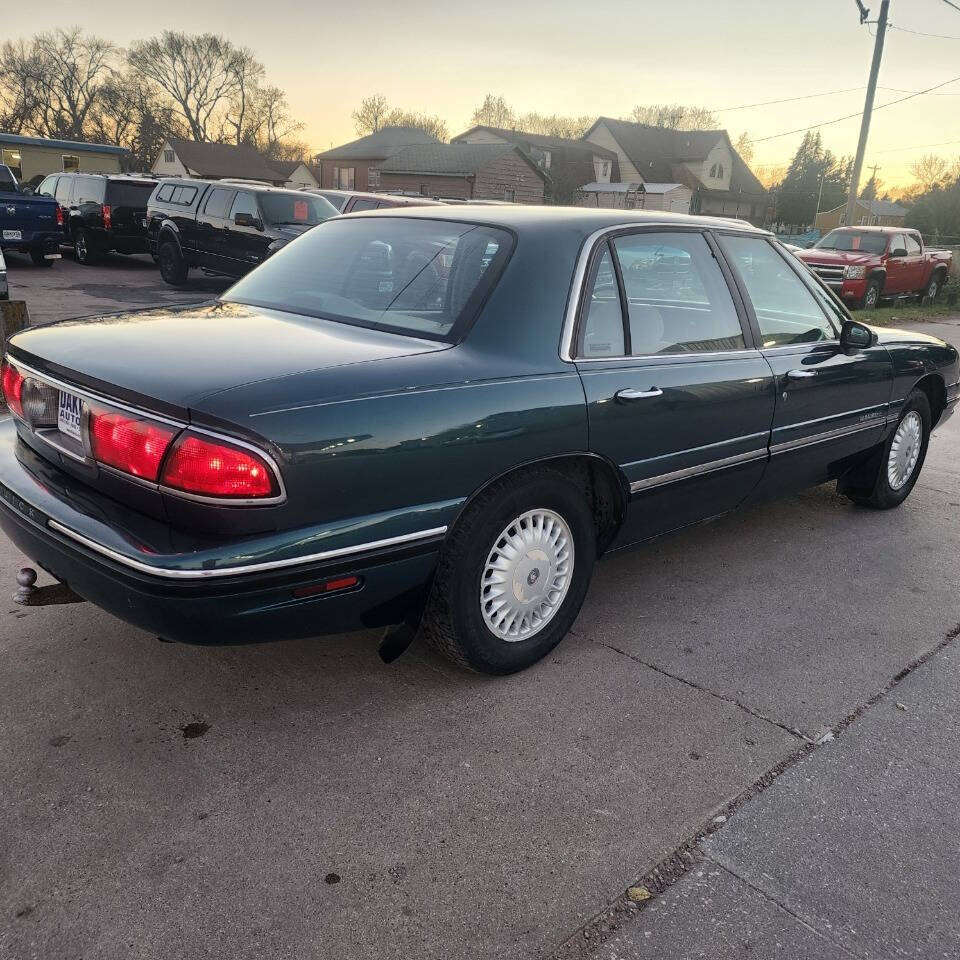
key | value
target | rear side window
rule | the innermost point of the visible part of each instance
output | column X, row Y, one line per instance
column 424, row 278
column 123, row 194
column 89, row 189
column 363, row 203
column 184, row 196
column 218, row 202
column 674, row 294
column 165, row 193
column 787, row 311
column 913, row 247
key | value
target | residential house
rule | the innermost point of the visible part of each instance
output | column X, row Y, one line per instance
column 873, row 213
column 670, row 197
column 568, row 164
column 465, row 171
column 30, row 157
column 354, row 165
column 721, row 184
column 300, row 175
column 214, row 161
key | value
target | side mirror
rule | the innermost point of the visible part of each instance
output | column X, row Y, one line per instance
column 247, row 220
column 899, row 252
column 856, row 336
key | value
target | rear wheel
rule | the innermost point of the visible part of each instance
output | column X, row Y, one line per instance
column 513, row 573
column 932, row 290
column 900, row 459
column 39, row 260
column 871, row 296
column 173, row 267
column 84, row 247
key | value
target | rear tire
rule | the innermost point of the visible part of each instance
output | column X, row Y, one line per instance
column 871, row 296
column 84, row 247
column 39, row 260
column 933, row 288
column 521, row 554
column 900, row 459
column 173, row 268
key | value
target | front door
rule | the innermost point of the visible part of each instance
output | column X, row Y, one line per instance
column 677, row 396
column 246, row 241
column 831, row 404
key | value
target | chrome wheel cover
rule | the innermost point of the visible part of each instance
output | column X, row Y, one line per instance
column 527, row 575
column 81, row 247
column 873, row 295
column 905, row 450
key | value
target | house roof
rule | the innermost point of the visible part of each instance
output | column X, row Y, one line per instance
column 224, row 160
column 658, row 153
column 542, row 140
column 452, row 159
column 287, row 167
column 14, row 139
column 380, row 145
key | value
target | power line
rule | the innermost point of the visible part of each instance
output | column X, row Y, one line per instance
column 919, row 146
column 850, row 116
column 767, row 103
column 920, row 33
column 901, row 90
column 950, row 3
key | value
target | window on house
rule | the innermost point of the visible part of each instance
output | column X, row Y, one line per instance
column 546, row 159
column 716, row 171
column 70, row 164
column 11, row 158
column 343, row 178
column 168, row 155
column 605, row 168
column 509, row 195
column 864, row 221
column 373, row 177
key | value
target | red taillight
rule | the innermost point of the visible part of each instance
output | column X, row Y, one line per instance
column 13, row 388
column 133, row 446
column 59, row 215
column 107, row 217
column 213, row 469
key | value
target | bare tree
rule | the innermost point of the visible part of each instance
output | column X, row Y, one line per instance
column 201, row 74
column 428, row 123
column 675, row 116
column 19, row 96
column 744, row 146
column 269, row 124
column 494, row 112
column 370, row 116
column 248, row 73
column 930, row 170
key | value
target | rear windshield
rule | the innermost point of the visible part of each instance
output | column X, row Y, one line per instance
column 868, row 242
column 424, row 278
column 297, row 209
column 121, row 194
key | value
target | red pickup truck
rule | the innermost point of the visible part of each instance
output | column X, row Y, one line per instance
column 863, row 265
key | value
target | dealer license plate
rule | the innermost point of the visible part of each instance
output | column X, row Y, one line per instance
column 12, row 234
column 70, row 415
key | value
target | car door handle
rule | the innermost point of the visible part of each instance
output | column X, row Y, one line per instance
column 800, row 374
column 625, row 396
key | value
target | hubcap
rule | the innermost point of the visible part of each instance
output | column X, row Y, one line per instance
column 872, row 297
column 932, row 292
column 905, row 450
column 527, row 575
column 81, row 248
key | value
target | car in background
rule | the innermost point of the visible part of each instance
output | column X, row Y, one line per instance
column 223, row 227
column 4, row 285
column 101, row 212
column 28, row 224
column 864, row 265
column 352, row 437
column 351, row 201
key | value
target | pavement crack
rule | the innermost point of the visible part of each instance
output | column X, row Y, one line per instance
column 780, row 905
column 793, row 731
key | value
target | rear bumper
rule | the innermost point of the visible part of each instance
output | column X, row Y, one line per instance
column 46, row 241
column 45, row 524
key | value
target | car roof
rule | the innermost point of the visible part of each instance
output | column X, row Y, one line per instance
column 871, row 228
column 519, row 217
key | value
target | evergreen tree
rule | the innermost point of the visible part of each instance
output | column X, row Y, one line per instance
column 800, row 189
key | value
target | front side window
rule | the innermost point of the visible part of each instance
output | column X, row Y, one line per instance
column 787, row 310
column 245, row 203
column 423, row 278
column 363, row 203
column 47, row 187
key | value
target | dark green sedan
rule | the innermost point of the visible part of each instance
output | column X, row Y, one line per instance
column 437, row 419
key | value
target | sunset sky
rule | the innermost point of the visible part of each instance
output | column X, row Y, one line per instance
column 574, row 58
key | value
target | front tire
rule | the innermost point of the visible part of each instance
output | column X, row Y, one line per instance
column 871, row 297
column 513, row 573
column 900, row 459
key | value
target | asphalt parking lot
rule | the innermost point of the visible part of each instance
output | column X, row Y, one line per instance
column 755, row 721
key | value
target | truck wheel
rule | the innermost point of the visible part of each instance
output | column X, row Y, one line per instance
column 900, row 459
column 39, row 260
column 173, row 267
column 871, row 297
column 84, row 247
column 933, row 289
column 513, row 573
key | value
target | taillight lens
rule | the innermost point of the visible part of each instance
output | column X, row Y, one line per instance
column 12, row 388
column 213, row 469
column 59, row 215
column 107, row 217
column 130, row 445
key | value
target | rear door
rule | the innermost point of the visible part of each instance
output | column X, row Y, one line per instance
column 916, row 263
column 212, row 235
column 898, row 266
column 831, row 404
column 677, row 395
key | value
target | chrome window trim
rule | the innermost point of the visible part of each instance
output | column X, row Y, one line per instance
column 181, row 425
column 638, row 485
column 246, row 568
column 583, row 262
column 690, row 354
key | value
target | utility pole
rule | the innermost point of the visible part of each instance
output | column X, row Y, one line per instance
column 867, row 111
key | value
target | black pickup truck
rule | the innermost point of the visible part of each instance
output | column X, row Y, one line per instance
column 30, row 224
column 225, row 227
